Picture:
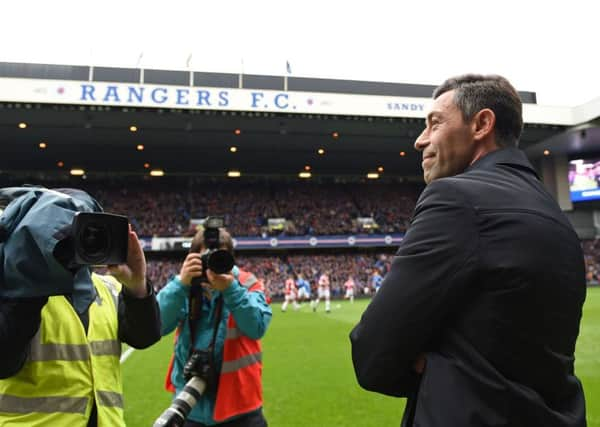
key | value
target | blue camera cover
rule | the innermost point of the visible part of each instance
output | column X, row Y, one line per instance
column 31, row 224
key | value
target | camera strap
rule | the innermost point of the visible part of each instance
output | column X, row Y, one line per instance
column 218, row 312
column 195, row 307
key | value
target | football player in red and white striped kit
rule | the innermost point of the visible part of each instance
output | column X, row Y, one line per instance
column 290, row 293
column 323, row 292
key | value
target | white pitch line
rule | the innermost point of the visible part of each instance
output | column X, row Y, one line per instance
column 127, row 353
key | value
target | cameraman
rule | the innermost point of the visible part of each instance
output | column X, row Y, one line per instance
column 59, row 364
column 230, row 312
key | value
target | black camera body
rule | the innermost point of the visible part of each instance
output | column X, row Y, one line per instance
column 99, row 238
column 218, row 260
column 200, row 364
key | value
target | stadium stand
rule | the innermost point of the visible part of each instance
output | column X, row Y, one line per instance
column 192, row 143
column 591, row 250
column 274, row 270
column 155, row 209
column 311, row 208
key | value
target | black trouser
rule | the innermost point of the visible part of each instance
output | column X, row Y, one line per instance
column 254, row 419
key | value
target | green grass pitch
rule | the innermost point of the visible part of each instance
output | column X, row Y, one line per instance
column 308, row 378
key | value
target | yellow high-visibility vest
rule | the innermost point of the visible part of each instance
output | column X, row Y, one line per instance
column 67, row 370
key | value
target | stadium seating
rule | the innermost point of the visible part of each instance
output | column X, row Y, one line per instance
column 274, row 270
column 310, row 209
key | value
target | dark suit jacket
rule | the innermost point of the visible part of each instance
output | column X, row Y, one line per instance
column 489, row 283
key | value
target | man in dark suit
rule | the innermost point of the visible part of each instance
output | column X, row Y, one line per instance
column 476, row 321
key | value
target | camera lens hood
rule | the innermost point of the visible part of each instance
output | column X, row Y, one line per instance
column 220, row 261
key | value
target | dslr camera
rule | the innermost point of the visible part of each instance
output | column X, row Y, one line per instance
column 99, row 238
column 218, row 260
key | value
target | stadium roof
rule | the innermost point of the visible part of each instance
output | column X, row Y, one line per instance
column 98, row 138
column 188, row 142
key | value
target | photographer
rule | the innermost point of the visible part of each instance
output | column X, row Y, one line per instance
column 62, row 328
column 222, row 319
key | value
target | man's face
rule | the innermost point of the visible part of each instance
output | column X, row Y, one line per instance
column 447, row 141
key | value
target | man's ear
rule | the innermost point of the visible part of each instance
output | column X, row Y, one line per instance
column 483, row 124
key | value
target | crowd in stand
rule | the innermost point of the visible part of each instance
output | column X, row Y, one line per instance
column 166, row 208
column 274, row 270
column 591, row 251
column 309, row 209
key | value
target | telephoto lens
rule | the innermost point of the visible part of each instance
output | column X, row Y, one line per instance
column 175, row 415
column 94, row 241
column 99, row 238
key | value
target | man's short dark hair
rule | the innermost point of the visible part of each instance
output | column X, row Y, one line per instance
column 225, row 240
column 474, row 92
